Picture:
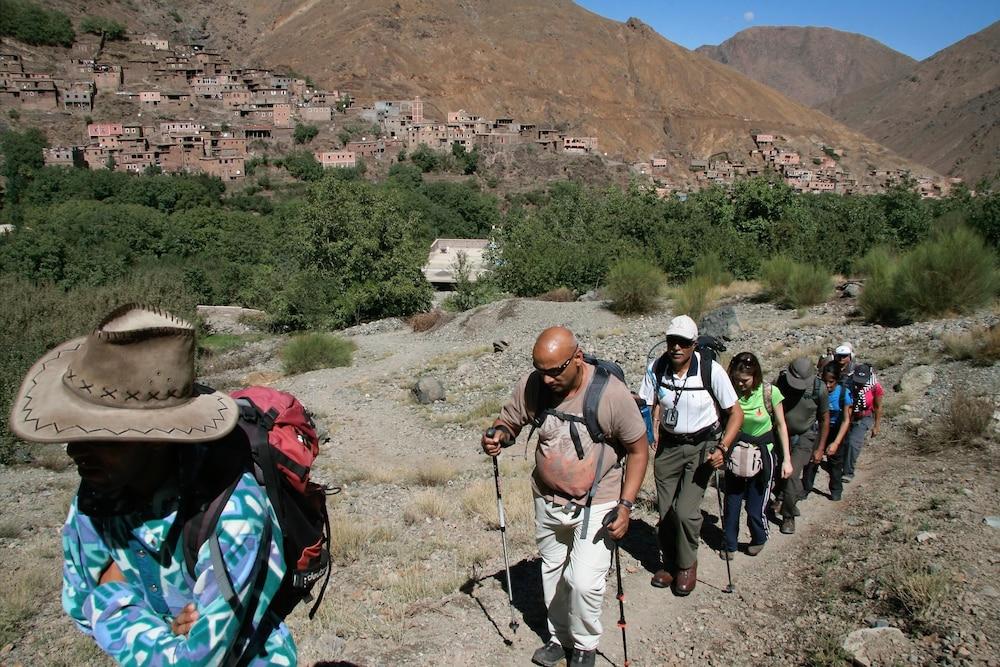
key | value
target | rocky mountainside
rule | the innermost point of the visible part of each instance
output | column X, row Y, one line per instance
column 809, row 65
column 552, row 63
column 943, row 112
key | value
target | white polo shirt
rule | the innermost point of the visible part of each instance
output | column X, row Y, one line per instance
column 695, row 407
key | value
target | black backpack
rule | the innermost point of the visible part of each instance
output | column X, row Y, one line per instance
column 708, row 349
column 856, row 383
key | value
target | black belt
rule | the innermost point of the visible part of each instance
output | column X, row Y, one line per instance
column 674, row 439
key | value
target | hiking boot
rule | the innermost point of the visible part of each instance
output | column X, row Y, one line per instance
column 662, row 579
column 583, row 658
column 550, row 655
column 727, row 555
column 835, row 496
column 685, row 580
column 788, row 525
column 755, row 549
column 846, row 479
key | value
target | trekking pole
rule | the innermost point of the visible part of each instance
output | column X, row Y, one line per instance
column 617, row 555
column 502, row 518
column 722, row 517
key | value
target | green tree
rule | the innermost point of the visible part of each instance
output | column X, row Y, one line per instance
column 32, row 24
column 360, row 253
column 22, row 157
column 303, row 134
column 108, row 28
column 303, row 166
column 425, row 158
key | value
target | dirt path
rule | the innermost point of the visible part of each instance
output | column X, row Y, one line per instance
column 418, row 568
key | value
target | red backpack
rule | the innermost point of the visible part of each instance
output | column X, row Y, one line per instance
column 282, row 447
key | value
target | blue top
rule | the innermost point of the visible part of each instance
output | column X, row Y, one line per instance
column 838, row 394
column 130, row 620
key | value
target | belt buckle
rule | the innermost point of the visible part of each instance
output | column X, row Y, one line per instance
column 571, row 508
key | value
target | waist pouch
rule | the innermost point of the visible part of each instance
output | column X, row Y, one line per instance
column 746, row 457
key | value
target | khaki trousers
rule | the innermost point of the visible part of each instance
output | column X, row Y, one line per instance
column 681, row 479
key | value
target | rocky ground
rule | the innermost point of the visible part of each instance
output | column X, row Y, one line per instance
column 907, row 555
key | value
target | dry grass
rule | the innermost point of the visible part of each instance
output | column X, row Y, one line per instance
column 737, row 289
column 887, row 358
column 966, row 422
column 452, row 360
column 559, row 294
column 435, row 472
column 430, row 321
column 429, row 504
column 482, row 414
column 607, row 333
column 352, row 537
column 981, row 346
column 19, row 595
column 917, row 592
column 423, row 581
column 508, row 310
column 479, row 500
column 369, row 474
column 9, row 528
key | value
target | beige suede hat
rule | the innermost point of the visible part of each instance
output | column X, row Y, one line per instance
column 132, row 379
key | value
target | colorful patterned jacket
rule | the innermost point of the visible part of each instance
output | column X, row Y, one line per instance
column 131, row 620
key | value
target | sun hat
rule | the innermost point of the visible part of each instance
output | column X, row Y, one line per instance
column 683, row 326
column 800, row 374
column 131, row 379
column 844, row 348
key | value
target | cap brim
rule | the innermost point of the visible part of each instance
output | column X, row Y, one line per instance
column 797, row 383
column 45, row 411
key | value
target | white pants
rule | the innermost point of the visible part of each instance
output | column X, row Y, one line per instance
column 574, row 572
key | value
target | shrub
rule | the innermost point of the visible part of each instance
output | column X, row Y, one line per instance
column 917, row 592
column 954, row 271
column 966, row 420
column 311, row 351
column 429, row 321
column 693, row 297
column 878, row 301
column 711, row 266
column 793, row 284
column 634, row 285
column 559, row 294
column 468, row 293
column 981, row 346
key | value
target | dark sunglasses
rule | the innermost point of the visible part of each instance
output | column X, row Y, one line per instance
column 558, row 370
column 679, row 342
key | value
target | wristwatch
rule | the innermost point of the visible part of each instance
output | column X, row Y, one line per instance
column 626, row 503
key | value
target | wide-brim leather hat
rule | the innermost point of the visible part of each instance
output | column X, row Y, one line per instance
column 132, row 379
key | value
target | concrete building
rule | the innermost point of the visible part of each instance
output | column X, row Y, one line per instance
column 444, row 256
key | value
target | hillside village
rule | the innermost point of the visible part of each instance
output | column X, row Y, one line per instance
column 197, row 112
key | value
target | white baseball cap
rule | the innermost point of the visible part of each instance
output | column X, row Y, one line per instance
column 683, row 326
column 844, row 348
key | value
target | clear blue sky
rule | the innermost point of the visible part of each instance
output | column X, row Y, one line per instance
column 918, row 28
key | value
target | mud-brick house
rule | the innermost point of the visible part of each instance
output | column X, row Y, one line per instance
column 107, row 77
column 548, row 139
column 11, row 62
column 165, row 101
column 62, row 156
column 579, row 145
column 227, row 145
column 226, row 168
column 336, row 159
column 155, row 42
column 315, row 114
column 234, row 99
column 79, row 97
column 137, row 69
column 34, row 94
column 282, row 114
column 135, row 162
column 96, row 157
column 97, row 130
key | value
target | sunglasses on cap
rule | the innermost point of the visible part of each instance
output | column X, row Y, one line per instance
column 679, row 342
column 558, row 370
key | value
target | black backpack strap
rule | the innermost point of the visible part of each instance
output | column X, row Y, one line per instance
column 592, row 400
column 705, row 370
column 659, row 370
column 574, row 432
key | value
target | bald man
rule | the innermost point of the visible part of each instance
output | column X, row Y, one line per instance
column 576, row 483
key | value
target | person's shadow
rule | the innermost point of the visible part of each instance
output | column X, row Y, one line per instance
column 526, row 581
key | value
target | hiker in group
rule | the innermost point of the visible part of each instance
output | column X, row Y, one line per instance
column 807, row 420
column 696, row 419
column 763, row 421
column 866, row 394
column 577, row 480
column 137, row 425
column 834, row 446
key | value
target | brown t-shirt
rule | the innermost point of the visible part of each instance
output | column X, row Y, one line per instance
column 560, row 475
